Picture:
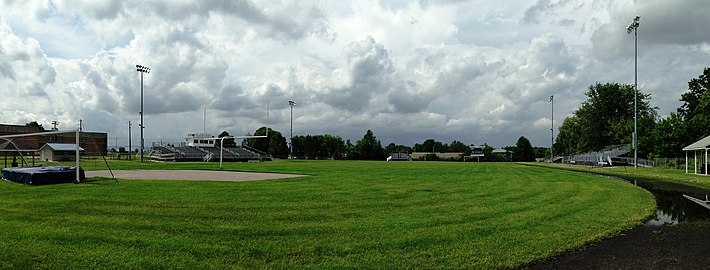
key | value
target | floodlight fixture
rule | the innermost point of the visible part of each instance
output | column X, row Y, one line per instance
column 633, row 27
column 142, row 70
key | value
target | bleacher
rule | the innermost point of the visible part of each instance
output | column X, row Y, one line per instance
column 162, row 153
column 606, row 156
column 190, row 152
column 244, row 152
column 168, row 153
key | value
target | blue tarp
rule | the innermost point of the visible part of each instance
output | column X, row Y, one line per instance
column 42, row 175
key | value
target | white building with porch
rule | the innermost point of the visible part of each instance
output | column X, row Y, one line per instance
column 701, row 146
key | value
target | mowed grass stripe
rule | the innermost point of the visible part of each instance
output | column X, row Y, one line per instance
column 345, row 215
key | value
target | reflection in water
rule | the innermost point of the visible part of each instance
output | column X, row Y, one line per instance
column 660, row 218
column 672, row 207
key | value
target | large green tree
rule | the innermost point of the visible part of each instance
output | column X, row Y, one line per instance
column 34, row 124
column 333, row 146
column 457, row 146
column 669, row 137
column 523, row 150
column 319, row 146
column 568, row 140
column 607, row 118
column 695, row 109
column 228, row 142
column 697, row 88
column 369, row 148
column 274, row 143
column 392, row 147
column 689, row 124
column 431, row 145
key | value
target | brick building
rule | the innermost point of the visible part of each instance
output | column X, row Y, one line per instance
column 94, row 143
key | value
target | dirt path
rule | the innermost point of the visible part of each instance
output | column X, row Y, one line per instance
column 229, row 176
column 683, row 246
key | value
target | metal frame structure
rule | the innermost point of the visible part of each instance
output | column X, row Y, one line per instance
column 78, row 177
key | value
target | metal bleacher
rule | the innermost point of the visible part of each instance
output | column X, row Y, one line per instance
column 606, row 156
column 243, row 152
column 169, row 152
column 190, row 152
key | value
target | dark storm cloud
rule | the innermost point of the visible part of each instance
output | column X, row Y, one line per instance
column 368, row 67
column 405, row 99
column 682, row 22
column 458, row 75
column 549, row 54
column 674, row 22
column 230, row 98
column 292, row 22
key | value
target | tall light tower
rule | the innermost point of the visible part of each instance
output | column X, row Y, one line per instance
column 142, row 69
column 291, row 103
column 130, row 152
column 552, row 128
column 633, row 27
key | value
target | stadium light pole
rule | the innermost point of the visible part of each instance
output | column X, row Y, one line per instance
column 552, row 128
column 130, row 153
column 633, row 27
column 291, row 103
column 142, row 69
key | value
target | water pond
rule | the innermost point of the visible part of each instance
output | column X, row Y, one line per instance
column 672, row 207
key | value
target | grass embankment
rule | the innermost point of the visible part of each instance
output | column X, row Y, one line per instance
column 662, row 174
column 346, row 215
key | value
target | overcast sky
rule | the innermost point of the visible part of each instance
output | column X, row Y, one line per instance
column 473, row 71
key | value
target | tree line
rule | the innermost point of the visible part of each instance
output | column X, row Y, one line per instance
column 607, row 118
column 328, row 146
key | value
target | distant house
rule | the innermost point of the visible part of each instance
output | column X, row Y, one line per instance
column 58, row 152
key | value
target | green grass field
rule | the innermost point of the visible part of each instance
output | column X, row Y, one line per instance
column 652, row 174
column 347, row 214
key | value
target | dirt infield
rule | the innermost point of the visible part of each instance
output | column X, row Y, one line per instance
column 227, row 176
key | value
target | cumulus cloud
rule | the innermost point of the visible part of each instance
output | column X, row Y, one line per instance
column 368, row 68
column 662, row 23
column 23, row 66
column 450, row 70
column 541, row 8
